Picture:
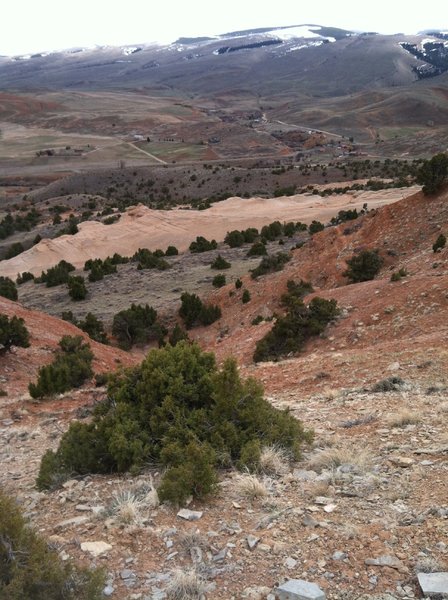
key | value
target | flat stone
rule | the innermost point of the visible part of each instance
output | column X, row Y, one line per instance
column 290, row 563
column 338, row 555
column 329, row 508
column 323, row 500
column 402, row 461
column 189, row 515
column 434, row 584
column 252, row 541
column 387, row 561
column 71, row 522
column 96, row 548
column 299, row 589
column 127, row 574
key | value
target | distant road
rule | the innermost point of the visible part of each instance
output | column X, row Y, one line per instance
column 302, row 128
column 147, row 153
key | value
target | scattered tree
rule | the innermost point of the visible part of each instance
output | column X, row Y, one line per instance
column 77, row 288
column 8, row 288
column 71, row 367
column 13, row 333
column 363, row 266
column 439, row 243
column 433, row 174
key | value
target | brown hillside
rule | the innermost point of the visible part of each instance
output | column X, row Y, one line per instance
column 381, row 317
column 19, row 367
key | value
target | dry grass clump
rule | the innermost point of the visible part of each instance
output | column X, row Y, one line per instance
column 192, row 538
column 332, row 458
column 403, row 418
column 443, row 408
column 428, row 564
column 274, row 460
column 186, row 585
column 131, row 506
column 249, row 486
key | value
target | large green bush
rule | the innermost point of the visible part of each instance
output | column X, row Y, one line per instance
column 30, row 570
column 363, row 266
column 301, row 322
column 137, row 325
column 13, row 333
column 71, row 367
column 177, row 410
column 8, row 288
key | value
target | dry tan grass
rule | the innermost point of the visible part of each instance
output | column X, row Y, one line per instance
column 443, row 408
column 249, row 486
column 332, row 458
column 131, row 506
column 274, row 460
column 186, row 585
column 192, row 538
column 403, row 418
column 428, row 564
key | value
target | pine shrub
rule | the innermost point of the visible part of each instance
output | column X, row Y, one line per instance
column 363, row 266
column 8, row 288
column 30, row 570
column 13, row 333
column 71, row 367
column 179, row 410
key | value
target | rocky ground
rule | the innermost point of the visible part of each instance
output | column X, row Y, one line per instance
column 360, row 514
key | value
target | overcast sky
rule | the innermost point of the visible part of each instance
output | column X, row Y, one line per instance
column 28, row 26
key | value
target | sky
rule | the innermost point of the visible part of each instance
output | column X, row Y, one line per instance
column 29, row 26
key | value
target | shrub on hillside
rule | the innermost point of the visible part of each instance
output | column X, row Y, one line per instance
column 137, row 325
column 24, row 277
column 178, row 410
column 301, row 322
column 13, row 333
column 270, row 264
column 245, row 298
column 235, row 238
column 149, row 260
column 202, row 245
column 439, row 243
column 178, row 335
column 171, row 251
column 238, row 283
column 8, row 288
column 194, row 312
column 220, row 263
column 315, row 227
column 433, row 174
column 14, row 250
column 77, row 288
column 257, row 249
column 30, row 570
column 219, row 280
column 56, row 275
column 71, row 367
column 363, row 266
